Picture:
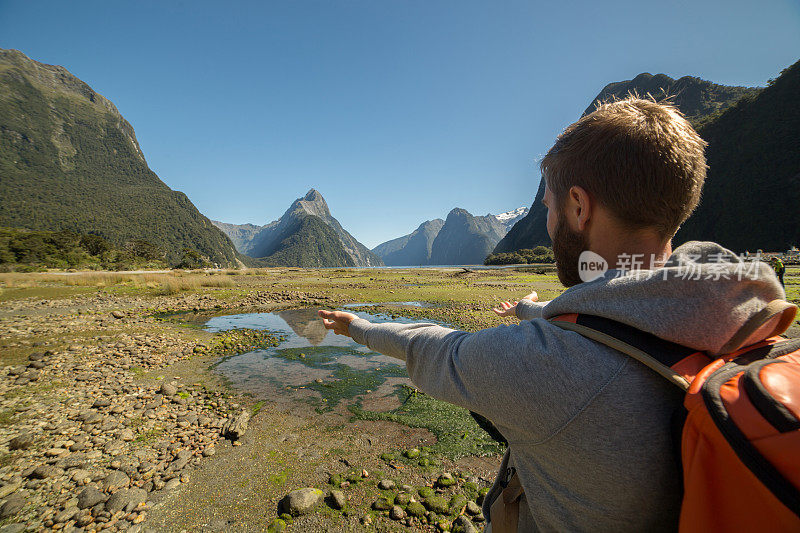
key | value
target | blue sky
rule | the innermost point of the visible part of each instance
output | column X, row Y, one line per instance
column 397, row 111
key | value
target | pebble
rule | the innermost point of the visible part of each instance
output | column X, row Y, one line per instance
column 65, row 515
column 397, row 513
column 94, row 441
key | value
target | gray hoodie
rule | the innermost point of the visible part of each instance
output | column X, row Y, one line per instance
column 588, row 427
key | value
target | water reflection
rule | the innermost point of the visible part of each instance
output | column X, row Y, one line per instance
column 310, row 356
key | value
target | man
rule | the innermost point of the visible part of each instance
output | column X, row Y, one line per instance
column 588, row 427
column 777, row 265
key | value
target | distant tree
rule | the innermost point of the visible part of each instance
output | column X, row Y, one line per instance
column 94, row 244
column 142, row 249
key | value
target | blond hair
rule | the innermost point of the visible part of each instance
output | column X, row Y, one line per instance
column 640, row 159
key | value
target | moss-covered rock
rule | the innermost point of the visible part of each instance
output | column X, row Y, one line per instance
column 415, row 509
column 446, row 480
column 457, row 503
column 383, row 504
column 437, row 504
column 413, row 453
column 276, row 526
column 426, row 492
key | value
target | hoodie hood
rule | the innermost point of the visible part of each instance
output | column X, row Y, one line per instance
column 702, row 297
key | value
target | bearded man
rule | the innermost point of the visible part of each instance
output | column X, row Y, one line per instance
column 589, row 428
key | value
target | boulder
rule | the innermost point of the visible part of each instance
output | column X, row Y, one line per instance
column 126, row 499
column 386, row 484
column 446, row 480
column 416, row 509
column 116, row 480
column 21, row 442
column 462, row 524
column 473, row 508
column 397, row 513
column 236, row 426
column 168, row 389
column 13, row 505
column 437, row 504
column 337, row 499
column 44, row 472
column 89, row 497
column 300, row 501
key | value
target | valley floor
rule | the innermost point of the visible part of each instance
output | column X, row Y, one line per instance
column 112, row 413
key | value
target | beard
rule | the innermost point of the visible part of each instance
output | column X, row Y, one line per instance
column 567, row 248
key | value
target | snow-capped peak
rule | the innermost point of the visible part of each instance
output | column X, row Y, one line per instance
column 517, row 214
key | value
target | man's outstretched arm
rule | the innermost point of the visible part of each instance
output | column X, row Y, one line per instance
column 493, row 372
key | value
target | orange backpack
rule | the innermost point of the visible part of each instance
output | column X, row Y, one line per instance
column 740, row 444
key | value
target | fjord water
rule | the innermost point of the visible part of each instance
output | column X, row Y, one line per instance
column 308, row 353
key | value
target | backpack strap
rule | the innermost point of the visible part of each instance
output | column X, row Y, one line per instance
column 660, row 355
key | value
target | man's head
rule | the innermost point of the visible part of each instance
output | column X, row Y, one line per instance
column 632, row 169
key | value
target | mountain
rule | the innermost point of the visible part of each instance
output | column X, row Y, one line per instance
column 413, row 249
column 292, row 234
column 417, row 248
column 695, row 97
column 509, row 218
column 752, row 191
column 700, row 100
column 529, row 231
column 306, row 241
column 239, row 234
column 465, row 239
column 70, row 161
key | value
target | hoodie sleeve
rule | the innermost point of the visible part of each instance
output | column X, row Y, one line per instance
column 529, row 310
column 507, row 373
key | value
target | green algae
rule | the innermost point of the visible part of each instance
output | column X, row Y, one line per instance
column 457, row 433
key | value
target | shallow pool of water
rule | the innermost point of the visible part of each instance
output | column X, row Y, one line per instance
column 310, row 357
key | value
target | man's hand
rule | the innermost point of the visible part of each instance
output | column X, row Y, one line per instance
column 510, row 309
column 338, row 321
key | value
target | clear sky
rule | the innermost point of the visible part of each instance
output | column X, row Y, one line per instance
column 395, row 110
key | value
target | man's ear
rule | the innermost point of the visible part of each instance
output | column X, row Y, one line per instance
column 578, row 207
